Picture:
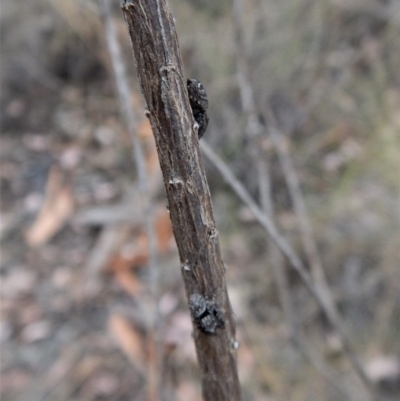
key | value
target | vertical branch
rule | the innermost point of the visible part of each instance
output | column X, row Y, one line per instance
column 159, row 66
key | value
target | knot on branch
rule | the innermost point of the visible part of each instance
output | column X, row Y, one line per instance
column 175, row 183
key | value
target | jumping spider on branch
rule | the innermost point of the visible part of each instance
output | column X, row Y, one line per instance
column 205, row 314
column 199, row 104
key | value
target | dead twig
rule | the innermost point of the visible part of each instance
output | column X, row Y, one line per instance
column 159, row 66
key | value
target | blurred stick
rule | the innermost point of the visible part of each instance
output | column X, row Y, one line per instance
column 122, row 85
column 317, row 281
column 307, row 236
column 262, row 218
column 255, row 131
column 289, row 253
column 310, row 247
column 292, row 181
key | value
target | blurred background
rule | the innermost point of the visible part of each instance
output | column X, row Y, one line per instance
column 77, row 310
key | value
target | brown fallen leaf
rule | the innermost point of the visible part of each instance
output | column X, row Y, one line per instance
column 128, row 339
column 135, row 253
column 57, row 208
column 122, row 270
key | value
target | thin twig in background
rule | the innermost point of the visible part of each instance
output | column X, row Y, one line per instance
column 292, row 181
column 262, row 217
column 309, row 245
column 289, row 253
column 310, row 248
column 255, row 131
column 122, row 85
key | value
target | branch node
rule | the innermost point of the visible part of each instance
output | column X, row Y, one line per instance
column 185, row 267
column 168, row 68
column 175, row 182
column 212, row 232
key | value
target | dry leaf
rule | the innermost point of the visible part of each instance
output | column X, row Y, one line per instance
column 136, row 253
column 130, row 257
column 126, row 278
column 128, row 339
column 57, row 208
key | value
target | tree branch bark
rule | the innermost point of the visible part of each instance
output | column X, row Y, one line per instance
column 160, row 71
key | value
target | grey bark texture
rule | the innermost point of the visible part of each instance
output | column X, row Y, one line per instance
column 159, row 66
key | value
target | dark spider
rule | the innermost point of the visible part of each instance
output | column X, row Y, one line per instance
column 199, row 104
column 206, row 314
